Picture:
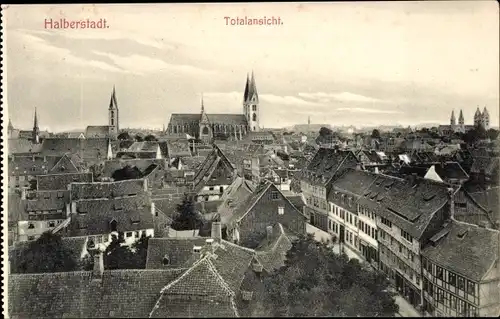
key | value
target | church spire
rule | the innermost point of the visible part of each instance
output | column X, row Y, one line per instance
column 202, row 105
column 247, row 88
column 36, row 130
column 113, row 104
column 253, row 88
column 10, row 127
column 453, row 120
column 461, row 120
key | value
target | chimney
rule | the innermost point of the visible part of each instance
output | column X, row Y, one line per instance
column 197, row 252
column 73, row 207
column 153, row 209
column 257, row 266
column 216, row 230
column 33, row 157
column 209, row 243
column 45, row 159
column 145, row 185
column 98, row 270
column 451, row 196
column 376, row 169
column 269, row 232
column 23, row 193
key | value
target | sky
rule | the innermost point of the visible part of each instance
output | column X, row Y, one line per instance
column 361, row 64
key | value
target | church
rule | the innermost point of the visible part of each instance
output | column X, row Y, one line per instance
column 482, row 119
column 207, row 126
column 113, row 128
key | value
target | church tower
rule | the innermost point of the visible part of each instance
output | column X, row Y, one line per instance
column 205, row 134
column 251, row 104
column 113, row 119
column 36, row 130
column 461, row 120
column 477, row 117
column 485, row 119
column 453, row 120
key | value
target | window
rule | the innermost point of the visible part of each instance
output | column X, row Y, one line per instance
column 274, row 195
column 60, row 194
column 386, row 222
column 471, row 287
column 406, row 236
column 31, row 226
column 52, row 224
column 129, row 234
column 254, row 108
column 166, row 260
column 31, row 237
column 439, row 272
column 281, row 210
column 461, row 283
column 211, row 188
column 254, row 117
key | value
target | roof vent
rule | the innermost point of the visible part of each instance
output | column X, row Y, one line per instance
column 463, row 233
column 196, row 249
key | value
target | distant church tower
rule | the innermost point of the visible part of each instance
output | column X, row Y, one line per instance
column 461, row 120
column 477, row 117
column 113, row 119
column 453, row 120
column 251, row 104
column 486, row 119
column 36, row 130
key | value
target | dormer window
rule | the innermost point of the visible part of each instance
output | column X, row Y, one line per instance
column 113, row 225
column 82, row 210
column 166, row 260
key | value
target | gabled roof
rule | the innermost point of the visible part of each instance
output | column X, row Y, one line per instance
column 229, row 119
column 144, row 146
column 181, row 119
column 22, row 146
column 471, row 255
column 178, row 250
column 31, row 165
column 75, row 295
column 409, row 204
column 271, row 253
column 233, row 196
column 214, row 160
column 98, row 131
column 106, row 189
column 246, row 205
column 91, row 148
column 326, row 163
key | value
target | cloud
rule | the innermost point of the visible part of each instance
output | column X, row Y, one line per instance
column 141, row 64
column 288, row 100
column 343, row 97
column 41, row 46
column 366, row 110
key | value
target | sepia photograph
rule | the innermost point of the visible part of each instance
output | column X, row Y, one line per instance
column 199, row 160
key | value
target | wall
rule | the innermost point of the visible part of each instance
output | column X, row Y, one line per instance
column 41, row 226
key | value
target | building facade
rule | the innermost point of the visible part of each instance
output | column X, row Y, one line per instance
column 208, row 127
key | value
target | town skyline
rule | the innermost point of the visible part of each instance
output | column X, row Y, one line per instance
column 418, row 71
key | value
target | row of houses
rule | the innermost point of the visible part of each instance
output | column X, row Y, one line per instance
column 400, row 225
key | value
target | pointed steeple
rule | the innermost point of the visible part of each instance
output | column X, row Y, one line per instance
column 253, row 89
column 10, row 127
column 113, row 104
column 247, row 88
column 35, row 121
column 461, row 120
column 478, row 112
column 485, row 112
column 202, row 105
column 453, row 120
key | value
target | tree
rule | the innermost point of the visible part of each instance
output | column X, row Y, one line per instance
column 118, row 256
column 492, row 134
column 125, row 173
column 47, row 254
column 139, row 138
column 376, row 133
column 187, row 217
column 96, row 170
column 150, row 138
column 474, row 135
column 124, row 136
column 317, row 282
column 325, row 131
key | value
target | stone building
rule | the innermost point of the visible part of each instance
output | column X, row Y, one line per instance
column 207, row 127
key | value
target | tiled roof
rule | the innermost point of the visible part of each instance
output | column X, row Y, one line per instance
column 228, row 119
column 490, row 165
column 31, row 165
column 181, row 119
column 122, row 294
column 202, row 282
column 23, row 146
column 98, row 131
column 235, row 194
column 142, row 164
column 216, row 159
column 145, row 146
column 94, row 217
column 488, row 199
column 106, row 189
column 193, row 162
column 178, row 147
column 38, row 202
column 409, row 204
column 204, row 307
column 271, row 253
column 61, row 181
column 471, row 255
column 244, row 206
column 448, row 170
column 297, row 201
column 326, row 163
column 91, row 148
column 352, row 181
column 178, row 250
